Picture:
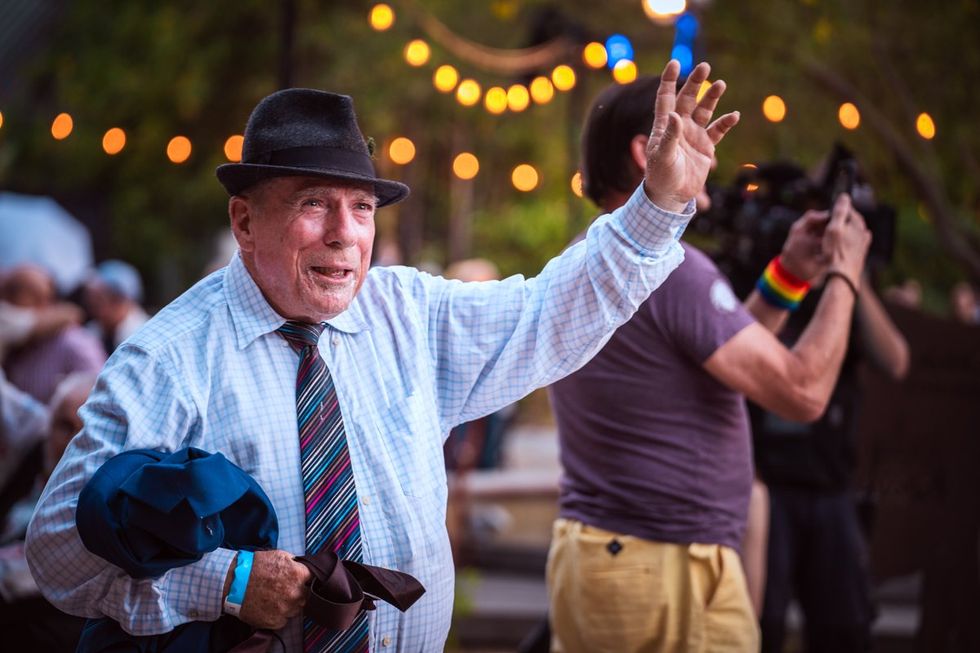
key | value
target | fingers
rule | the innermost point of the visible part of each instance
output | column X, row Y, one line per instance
column 717, row 130
column 667, row 149
column 687, row 99
column 666, row 96
column 840, row 211
column 706, row 107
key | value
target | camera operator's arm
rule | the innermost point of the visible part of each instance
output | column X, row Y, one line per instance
column 883, row 342
column 796, row 383
column 803, row 257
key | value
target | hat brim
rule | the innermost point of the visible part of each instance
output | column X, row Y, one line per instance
column 238, row 177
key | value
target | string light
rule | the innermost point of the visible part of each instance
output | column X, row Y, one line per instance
column 468, row 93
column 113, row 141
column 466, row 165
column 773, row 108
column 401, row 151
column 542, row 90
column 577, row 184
column 233, row 148
column 61, row 126
column 445, row 78
column 179, row 149
column 518, row 98
column 625, row 71
column 594, row 55
column 563, row 77
column 1, row 118
column 925, row 126
column 849, row 116
column 382, row 17
column 417, row 53
column 663, row 11
column 524, row 177
column 495, row 100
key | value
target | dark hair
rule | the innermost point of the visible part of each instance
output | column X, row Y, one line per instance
column 619, row 113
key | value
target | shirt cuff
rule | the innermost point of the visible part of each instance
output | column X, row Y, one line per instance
column 197, row 590
column 650, row 228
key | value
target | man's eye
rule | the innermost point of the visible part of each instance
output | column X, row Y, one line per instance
column 365, row 206
column 313, row 202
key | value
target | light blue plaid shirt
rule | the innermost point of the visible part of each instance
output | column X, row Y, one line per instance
column 413, row 356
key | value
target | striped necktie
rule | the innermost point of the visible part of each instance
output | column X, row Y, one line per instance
column 328, row 482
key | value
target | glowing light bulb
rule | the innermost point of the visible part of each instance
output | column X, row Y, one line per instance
column 113, row 141
column 594, row 55
column 61, row 126
column 518, row 98
column 495, row 100
column 524, row 177
column 468, row 93
column 233, row 148
column 466, row 165
column 542, row 90
column 417, row 52
column 625, row 71
column 401, row 151
column 563, row 77
column 925, row 126
column 445, row 78
column 849, row 116
column 381, row 17
column 773, row 108
column 179, row 149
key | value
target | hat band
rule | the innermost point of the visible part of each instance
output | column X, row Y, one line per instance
column 330, row 158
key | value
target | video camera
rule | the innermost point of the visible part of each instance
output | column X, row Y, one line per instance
column 751, row 219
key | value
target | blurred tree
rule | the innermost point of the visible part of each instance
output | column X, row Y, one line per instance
column 180, row 67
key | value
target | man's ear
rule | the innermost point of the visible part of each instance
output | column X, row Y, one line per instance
column 240, row 212
column 638, row 151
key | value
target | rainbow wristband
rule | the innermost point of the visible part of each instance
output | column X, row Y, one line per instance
column 780, row 288
column 236, row 594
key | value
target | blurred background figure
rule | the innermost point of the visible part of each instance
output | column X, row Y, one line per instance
column 37, row 366
column 112, row 296
column 907, row 294
column 965, row 303
column 29, row 621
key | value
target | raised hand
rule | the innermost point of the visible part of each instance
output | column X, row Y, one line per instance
column 803, row 254
column 682, row 141
column 846, row 240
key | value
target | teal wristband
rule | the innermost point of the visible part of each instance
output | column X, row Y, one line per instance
column 236, row 595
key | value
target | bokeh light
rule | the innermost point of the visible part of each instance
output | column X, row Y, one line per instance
column 625, row 71
column 563, row 77
column 1, row 118
column 685, row 57
column 113, row 141
column 925, row 126
column 773, row 108
column 495, row 100
column 468, row 93
column 618, row 47
column 542, row 90
column 518, row 98
column 594, row 55
column 577, row 184
column 417, row 52
column 705, row 85
column 663, row 11
column 524, row 177
column 466, row 165
column 61, row 126
column 849, row 116
column 233, row 148
column 401, row 151
column 445, row 78
column 179, row 149
column 382, row 17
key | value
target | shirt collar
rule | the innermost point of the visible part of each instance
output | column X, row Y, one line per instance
column 252, row 316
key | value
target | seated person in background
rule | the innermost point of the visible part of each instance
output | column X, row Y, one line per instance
column 29, row 622
column 37, row 366
column 18, row 324
column 113, row 295
column 654, row 432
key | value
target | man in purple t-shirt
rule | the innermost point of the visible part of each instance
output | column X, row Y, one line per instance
column 654, row 431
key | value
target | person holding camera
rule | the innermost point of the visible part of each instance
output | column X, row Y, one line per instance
column 654, row 431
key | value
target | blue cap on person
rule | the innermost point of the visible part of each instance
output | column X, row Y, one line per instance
column 121, row 278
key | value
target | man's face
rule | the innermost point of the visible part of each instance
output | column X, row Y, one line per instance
column 307, row 242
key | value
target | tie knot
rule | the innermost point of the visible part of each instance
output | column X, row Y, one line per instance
column 301, row 334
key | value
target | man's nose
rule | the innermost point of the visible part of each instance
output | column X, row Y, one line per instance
column 340, row 230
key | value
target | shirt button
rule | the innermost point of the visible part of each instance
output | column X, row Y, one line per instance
column 366, row 500
column 335, row 341
column 386, row 641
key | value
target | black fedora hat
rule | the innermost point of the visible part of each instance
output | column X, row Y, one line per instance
column 305, row 132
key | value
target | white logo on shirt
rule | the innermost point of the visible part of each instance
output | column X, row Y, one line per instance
column 722, row 297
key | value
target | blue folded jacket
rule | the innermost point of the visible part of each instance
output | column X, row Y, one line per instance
column 147, row 512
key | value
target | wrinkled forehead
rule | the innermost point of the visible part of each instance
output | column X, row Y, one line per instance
column 287, row 187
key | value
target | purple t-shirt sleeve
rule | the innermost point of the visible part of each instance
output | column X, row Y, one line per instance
column 696, row 307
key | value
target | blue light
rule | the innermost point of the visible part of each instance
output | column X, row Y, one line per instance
column 686, row 28
column 618, row 47
column 684, row 55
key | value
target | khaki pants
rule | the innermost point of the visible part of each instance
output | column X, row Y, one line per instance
column 648, row 597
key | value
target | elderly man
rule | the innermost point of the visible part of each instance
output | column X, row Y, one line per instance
column 335, row 386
